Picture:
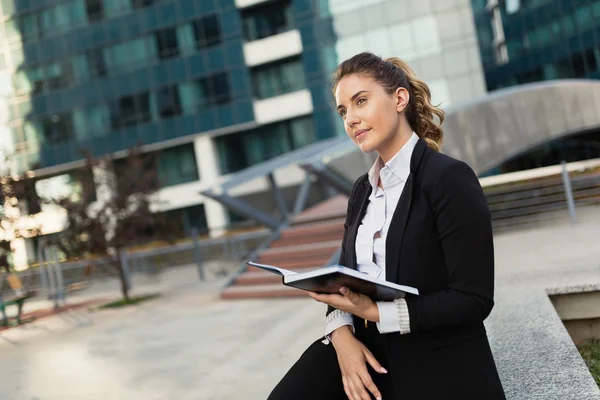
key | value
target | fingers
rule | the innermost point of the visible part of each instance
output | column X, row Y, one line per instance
column 349, row 294
column 374, row 363
column 358, row 383
column 367, row 382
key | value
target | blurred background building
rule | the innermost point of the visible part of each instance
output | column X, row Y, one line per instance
column 216, row 86
column 522, row 42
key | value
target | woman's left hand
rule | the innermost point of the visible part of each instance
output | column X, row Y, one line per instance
column 355, row 303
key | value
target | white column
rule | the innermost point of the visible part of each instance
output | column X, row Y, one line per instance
column 208, row 170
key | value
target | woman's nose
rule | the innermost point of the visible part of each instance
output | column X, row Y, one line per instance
column 351, row 120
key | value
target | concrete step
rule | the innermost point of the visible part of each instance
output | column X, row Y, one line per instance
column 317, row 246
column 275, row 290
column 310, row 233
column 328, row 210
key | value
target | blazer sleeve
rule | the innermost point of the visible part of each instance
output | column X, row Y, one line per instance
column 463, row 221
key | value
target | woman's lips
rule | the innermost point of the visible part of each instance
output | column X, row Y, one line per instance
column 361, row 133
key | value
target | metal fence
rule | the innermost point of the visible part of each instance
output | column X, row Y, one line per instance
column 566, row 193
column 80, row 274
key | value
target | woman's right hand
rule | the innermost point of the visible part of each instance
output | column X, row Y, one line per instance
column 353, row 356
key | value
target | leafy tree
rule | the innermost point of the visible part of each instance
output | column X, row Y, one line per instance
column 113, row 210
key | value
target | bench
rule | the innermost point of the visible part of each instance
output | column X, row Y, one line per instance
column 19, row 298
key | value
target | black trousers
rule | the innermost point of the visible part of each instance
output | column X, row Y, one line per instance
column 316, row 375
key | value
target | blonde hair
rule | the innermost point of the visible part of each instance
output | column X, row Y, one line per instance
column 424, row 118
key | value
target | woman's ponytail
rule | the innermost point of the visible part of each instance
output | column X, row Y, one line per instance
column 422, row 114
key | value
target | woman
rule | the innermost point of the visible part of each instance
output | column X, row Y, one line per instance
column 417, row 218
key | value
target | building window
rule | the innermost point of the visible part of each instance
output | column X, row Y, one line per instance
column 267, row 20
column 191, row 218
column 278, row 78
column 207, row 31
column 166, row 41
column 57, row 128
column 168, row 102
column 130, row 110
column 130, row 54
column 59, row 75
column 94, row 10
column 203, row 92
column 95, row 59
column 216, row 88
column 143, row 3
column 177, row 165
column 242, row 150
column 92, row 121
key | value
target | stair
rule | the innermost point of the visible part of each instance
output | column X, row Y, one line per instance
column 310, row 241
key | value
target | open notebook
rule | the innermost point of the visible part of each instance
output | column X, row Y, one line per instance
column 330, row 279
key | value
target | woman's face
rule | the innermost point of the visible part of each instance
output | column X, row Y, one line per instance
column 371, row 116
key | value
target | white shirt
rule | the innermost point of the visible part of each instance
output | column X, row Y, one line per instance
column 372, row 234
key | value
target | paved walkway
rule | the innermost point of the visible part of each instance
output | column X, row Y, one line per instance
column 190, row 345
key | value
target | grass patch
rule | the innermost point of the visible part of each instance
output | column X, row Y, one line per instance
column 132, row 301
column 591, row 354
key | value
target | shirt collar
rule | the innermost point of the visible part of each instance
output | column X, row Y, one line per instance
column 398, row 166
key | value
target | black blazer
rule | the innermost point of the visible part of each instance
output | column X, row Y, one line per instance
column 439, row 241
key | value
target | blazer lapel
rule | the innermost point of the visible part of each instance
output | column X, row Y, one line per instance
column 361, row 197
column 395, row 235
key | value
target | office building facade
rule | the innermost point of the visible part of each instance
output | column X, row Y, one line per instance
column 523, row 42
column 213, row 86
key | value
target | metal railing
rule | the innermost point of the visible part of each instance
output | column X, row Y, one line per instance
column 83, row 273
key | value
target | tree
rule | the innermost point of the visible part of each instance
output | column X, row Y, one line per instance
column 113, row 210
column 17, row 192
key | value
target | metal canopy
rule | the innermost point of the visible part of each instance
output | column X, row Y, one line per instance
column 312, row 158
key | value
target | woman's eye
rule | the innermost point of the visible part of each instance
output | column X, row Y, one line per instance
column 342, row 113
column 360, row 101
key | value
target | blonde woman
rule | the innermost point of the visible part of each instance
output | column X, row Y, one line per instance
column 417, row 218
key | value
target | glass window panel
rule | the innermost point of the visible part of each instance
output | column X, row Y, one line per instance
column 277, row 79
column 302, row 132
column 77, row 12
column 47, row 21
column 267, row 20
column 30, row 26
column 219, row 88
column 185, row 38
column 95, row 60
column 62, row 16
column 80, row 124
column 192, row 96
column 113, row 8
column 166, row 41
column 95, row 10
column 143, row 3
column 168, row 102
column 81, row 68
column 207, row 31
column 130, row 110
column 177, row 165
column 57, row 129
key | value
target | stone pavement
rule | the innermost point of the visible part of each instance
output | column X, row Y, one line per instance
column 190, row 345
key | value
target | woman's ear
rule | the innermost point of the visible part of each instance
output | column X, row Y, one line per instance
column 402, row 98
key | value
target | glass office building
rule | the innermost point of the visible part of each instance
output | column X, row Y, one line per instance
column 213, row 86
column 528, row 41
